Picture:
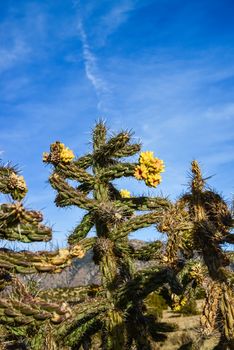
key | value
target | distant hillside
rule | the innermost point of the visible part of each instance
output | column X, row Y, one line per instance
column 85, row 272
column 81, row 272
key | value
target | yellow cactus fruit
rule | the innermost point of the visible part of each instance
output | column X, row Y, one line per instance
column 146, row 158
column 149, row 169
column 58, row 153
column 141, row 172
column 153, row 180
column 125, row 193
column 66, row 154
column 158, row 165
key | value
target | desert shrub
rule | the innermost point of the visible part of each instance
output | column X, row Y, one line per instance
column 155, row 305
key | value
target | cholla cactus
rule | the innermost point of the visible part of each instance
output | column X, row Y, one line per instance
column 212, row 224
column 117, row 311
column 206, row 225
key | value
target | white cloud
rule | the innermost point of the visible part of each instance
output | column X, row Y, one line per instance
column 112, row 20
column 93, row 74
column 90, row 61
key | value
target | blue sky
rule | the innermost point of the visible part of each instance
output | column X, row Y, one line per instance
column 162, row 68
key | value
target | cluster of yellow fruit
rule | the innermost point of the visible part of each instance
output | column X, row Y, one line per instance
column 58, row 153
column 125, row 193
column 66, row 154
column 149, row 169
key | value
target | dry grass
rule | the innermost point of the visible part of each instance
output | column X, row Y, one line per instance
column 188, row 330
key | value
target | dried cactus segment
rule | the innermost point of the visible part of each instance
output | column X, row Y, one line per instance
column 13, row 214
column 212, row 221
column 198, row 182
column 12, row 183
column 176, row 223
column 227, row 312
column 14, row 312
column 28, row 262
column 209, row 315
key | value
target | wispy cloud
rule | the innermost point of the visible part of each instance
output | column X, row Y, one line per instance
column 108, row 23
column 92, row 71
column 113, row 19
column 91, row 68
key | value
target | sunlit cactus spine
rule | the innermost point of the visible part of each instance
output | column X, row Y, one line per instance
column 117, row 311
